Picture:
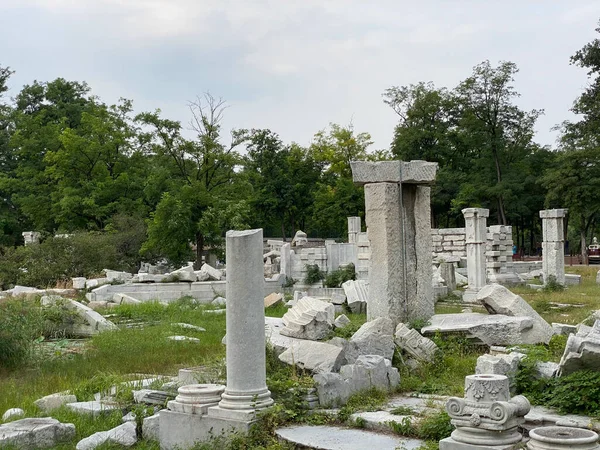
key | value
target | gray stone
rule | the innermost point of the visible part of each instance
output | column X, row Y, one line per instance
column 563, row 329
column 408, row 172
column 448, row 275
column 338, row 298
column 36, row 433
column 116, row 275
column 91, row 322
column 124, row 435
column 95, row 282
column 368, row 371
column 183, row 339
column 152, row 396
column 331, row 389
column 582, row 350
column 185, row 274
column 562, row 438
column 335, row 438
column 314, row 356
column 411, row 341
column 372, row 338
column 546, row 369
column 357, row 294
column 507, row 365
column 94, row 407
column 188, row 326
column 572, row 279
column 213, row 274
column 54, row 401
column 219, row 301
column 279, row 342
column 310, row 319
column 553, row 248
column 124, row 299
column 341, row 321
column 475, row 238
column 78, row 282
column 151, row 427
column 129, row 417
column 499, row 300
column 482, row 328
column 12, row 413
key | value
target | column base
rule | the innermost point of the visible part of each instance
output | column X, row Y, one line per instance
column 451, row 444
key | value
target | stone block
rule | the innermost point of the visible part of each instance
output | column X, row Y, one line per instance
column 582, row 350
column 507, row 365
column 273, row 299
column 411, row 341
column 412, row 172
column 54, row 401
column 499, row 300
column 12, row 413
column 213, row 274
column 341, row 321
column 124, row 435
column 372, row 338
column 151, row 427
column 35, row 433
column 185, row 274
column 313, row 356
column 310, row 318
column 563, row 329
column 78, row 282
column 93, row 408
column 124, row 299
column 546, row 369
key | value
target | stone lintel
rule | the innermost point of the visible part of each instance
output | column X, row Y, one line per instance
column 553, row 213
column 409, row 172
column 475, row 212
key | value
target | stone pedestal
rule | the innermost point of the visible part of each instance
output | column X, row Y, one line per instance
column 475, row 239
column 397, row 203
column 553, row 244
column 562, row 438
column 487, row 418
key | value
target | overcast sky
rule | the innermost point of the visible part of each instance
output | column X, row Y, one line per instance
column 294, row 66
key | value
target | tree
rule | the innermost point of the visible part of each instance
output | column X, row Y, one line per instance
column 196, row 175
column 9, row 215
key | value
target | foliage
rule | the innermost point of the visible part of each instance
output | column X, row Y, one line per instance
column 551, row 285
column 313, row 274
column 367, row 400
column 336, row 278
column 20, row 324
column 434, row 427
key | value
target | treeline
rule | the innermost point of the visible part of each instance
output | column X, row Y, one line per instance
column 70, row 163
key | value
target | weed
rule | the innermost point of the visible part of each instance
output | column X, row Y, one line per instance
column 403, row 411
column 551, row 285
column 313, row 274
column 336, row 278
column 20, row 324
column 367, row 400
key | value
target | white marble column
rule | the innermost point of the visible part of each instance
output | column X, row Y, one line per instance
column 397, row 203
column 553, row 244
column 246, row 389
column 475, row 239
column 353, row 229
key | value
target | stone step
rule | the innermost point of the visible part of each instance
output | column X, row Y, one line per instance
column 324, row 437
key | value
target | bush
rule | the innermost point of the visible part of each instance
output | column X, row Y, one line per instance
column 313, row 274
column 551, row 285
column 20, row 324
column 337, row 277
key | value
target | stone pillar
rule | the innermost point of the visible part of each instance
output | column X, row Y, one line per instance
column 397, row 203
column 353, row 229
column 246, row 389
column 286, row 260
column 553, row 244
column 475, row 239
column 487, row 418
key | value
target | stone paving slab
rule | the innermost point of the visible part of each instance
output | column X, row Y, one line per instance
column 335, row 438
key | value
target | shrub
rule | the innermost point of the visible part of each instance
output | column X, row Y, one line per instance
column 339, row 276
column 551, row 285
column 313, row 274
column 20, row 324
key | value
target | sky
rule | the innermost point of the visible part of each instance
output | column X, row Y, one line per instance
column 295, row 66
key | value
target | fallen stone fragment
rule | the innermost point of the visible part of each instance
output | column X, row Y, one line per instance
column 116, row 275
column 90, row 322
column 273, row 299
column 188, row 326
column 54, row 401
column 214, row 274
column 12, row 413
column 78, row 282
column 152, row 396
column 150, row 427
column 546, row 369
column 411, row 341
column 563, row 329
column 124, row 435
column 582, row 350
column 94, row 407
column 372, row 338
column 219, row 301
column 341, row 321
column 507, row 365
column 338, row 298
column 35, row 433
column 183, row 338
column 313, row 356
column 309, row 319
column 185, row 274
column 499, row 300
column 124, row 299
column 357, row 293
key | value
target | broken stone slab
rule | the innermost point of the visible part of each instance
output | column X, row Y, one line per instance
column 309, row 319
column 572, row 279
column 357, row 294
column 546, row 369
column 273, row 299
column 313, row 356
column 499, row 300
column 54, row 401
column 214, row 311
column 341, row 321
column 273, row 336
column 12, row 413
column 124, row 299
column 372, row 338
column 124, row 435
column 183, row 339
column 151, row 427
column 563, row 329
column 213, row 274
column 95, row 282
column 461, row 280
column 338, row 298
column 93, row 322
column 35, row 433
column 184, row 274
column 406, row 172
column 93, row 408
column 149, row 277
column 582, row 350
column 78, row 282
column 152, row 396
column 411, row 341
column 187, row 326
column 116, row 275
column 482, row 328
column 219, row 301
column 448, row 274
column 507, row 365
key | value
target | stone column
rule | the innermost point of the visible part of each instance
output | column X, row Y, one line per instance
column 353, row 229
column 399, row 230
column 475, row 239
column 553, row 244
column 246, row 389
column 286, row 260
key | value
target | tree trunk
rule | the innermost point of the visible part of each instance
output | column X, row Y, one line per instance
column 199, row 249
column 283, row 228
column 582, row 235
